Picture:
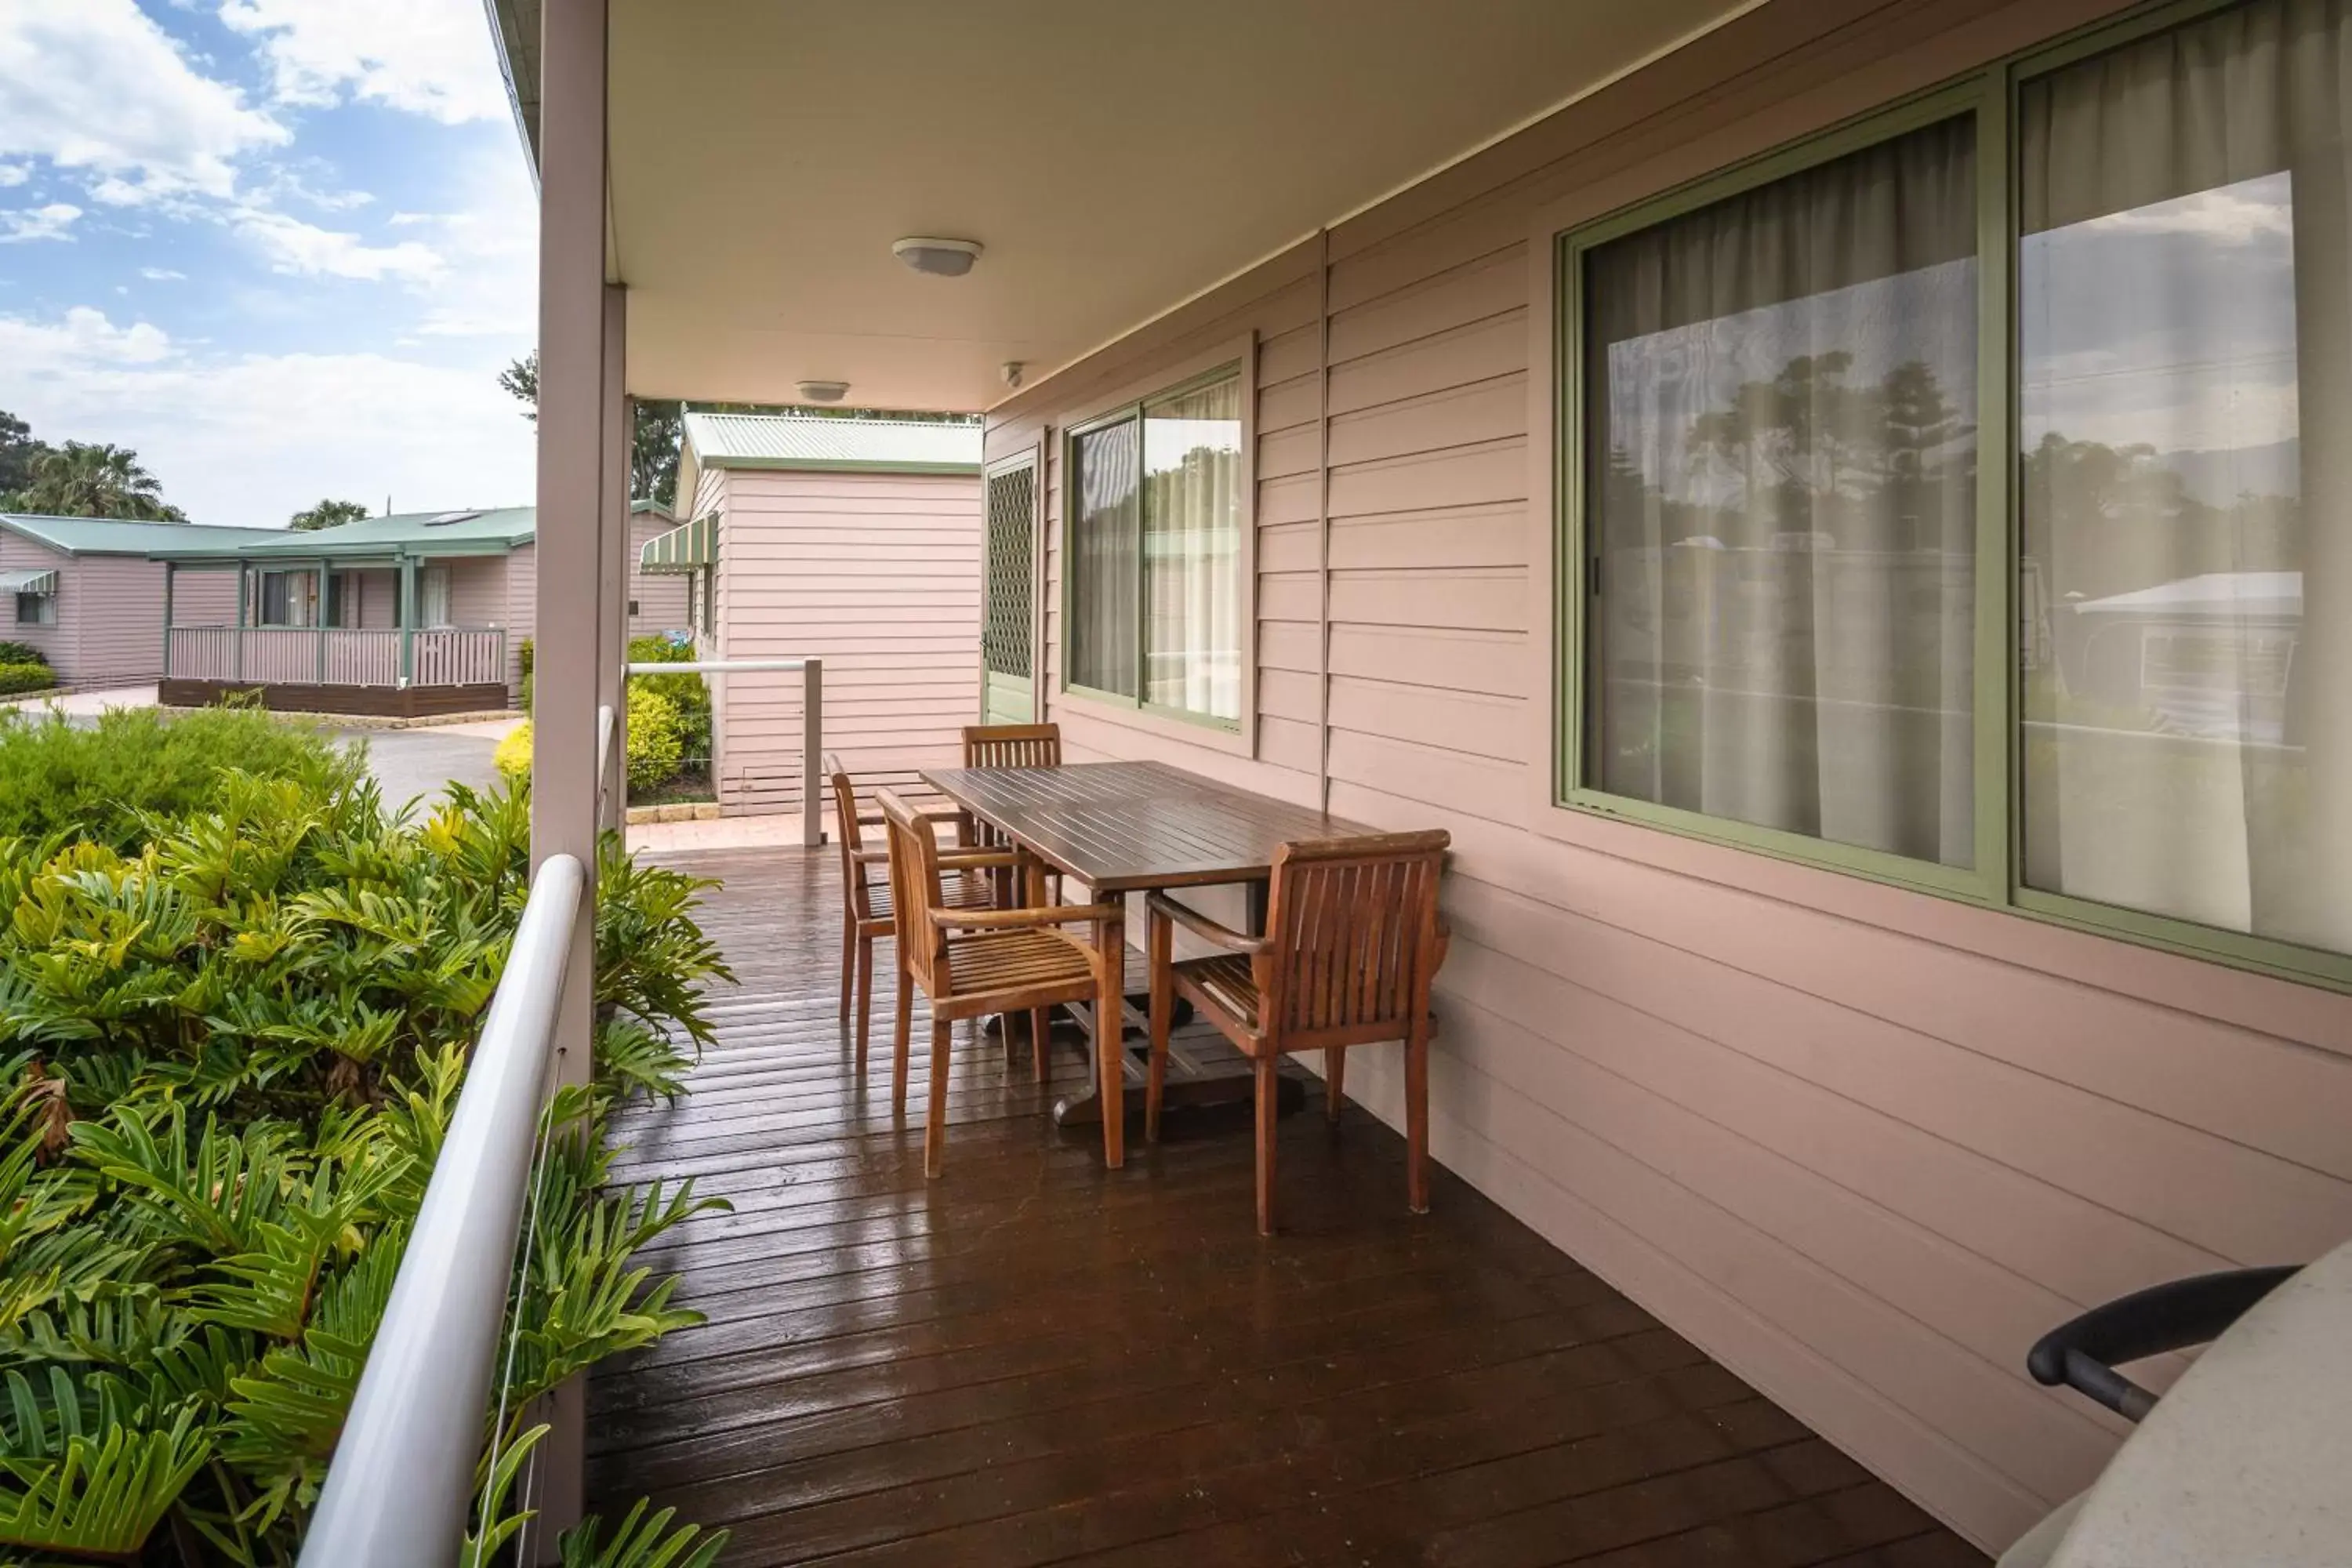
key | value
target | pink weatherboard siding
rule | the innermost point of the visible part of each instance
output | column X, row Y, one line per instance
column 1860, row 1144
column 873, row 573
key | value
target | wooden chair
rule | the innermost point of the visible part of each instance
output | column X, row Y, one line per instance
column 1352, row 942
column 1008, row 746
column 867, row 914
column 978, row 962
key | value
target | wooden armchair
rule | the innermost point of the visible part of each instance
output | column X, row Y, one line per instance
column 1007, row 746
column 1352, row 942
column 867, row 913
column 978, row 962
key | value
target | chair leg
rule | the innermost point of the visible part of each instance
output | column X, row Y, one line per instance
column 1110, row 1044
column 848, row 959
column 935, row 1126
column 902, row 1027
column 1159, row 939
column 1416, row 1119
column 1335, row 1078
column 865, row 995
column 1041, row 1039
column 1269, row 1098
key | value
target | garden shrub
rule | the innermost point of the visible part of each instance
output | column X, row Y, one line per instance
column 21, row 653
column 231, row 1053
column 689, row 693
column 656, row 745
column 526, row 660
column 99, row 779
column 15, row 679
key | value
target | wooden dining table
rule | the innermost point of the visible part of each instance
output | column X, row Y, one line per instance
column 1129, row 827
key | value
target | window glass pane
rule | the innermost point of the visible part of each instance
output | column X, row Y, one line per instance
column 1780, row 393
column 1103, row 561
column 433, row 596
column 1192, row 550
column 2185, row 586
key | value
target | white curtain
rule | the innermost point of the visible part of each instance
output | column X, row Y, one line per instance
column 1781, row 444
column 1102, row 549
column 2185, row 304
column 1191, row 549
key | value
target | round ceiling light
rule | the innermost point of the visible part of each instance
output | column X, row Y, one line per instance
column 939, row 257
column 824, row 391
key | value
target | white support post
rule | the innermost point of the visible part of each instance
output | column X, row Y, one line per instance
column 812, row 752
column 613, row 562
column 573, row 420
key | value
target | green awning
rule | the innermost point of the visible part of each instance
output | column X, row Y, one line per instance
column 30, row 582
column 686, row 548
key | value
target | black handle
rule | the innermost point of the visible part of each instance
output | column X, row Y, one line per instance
column 2084, row 1354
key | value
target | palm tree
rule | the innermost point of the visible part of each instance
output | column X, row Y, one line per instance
column 90, row 478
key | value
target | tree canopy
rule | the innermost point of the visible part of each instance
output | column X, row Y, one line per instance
column 93, row 478
column 17, row 452
column 326, row 514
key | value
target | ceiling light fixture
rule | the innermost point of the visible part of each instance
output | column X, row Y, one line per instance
column 824, row 391
column 939, row 257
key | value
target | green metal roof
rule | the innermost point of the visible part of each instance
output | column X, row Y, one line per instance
column 116, row 536
column 460, row 532
column 814, row 441
column 688, row 548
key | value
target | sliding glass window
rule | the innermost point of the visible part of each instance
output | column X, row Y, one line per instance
column 1783, row 633
column 1155, row 597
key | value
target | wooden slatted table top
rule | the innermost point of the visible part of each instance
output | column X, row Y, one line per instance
column 1121, row 826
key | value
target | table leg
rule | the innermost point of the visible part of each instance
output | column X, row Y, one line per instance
column 1110, row 1039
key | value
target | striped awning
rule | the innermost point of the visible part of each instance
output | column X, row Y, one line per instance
column 31, row 582
column 686, row 548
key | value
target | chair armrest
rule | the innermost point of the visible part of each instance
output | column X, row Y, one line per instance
column 873, row 855
column 953, row 858
column 1022, row 920
column 1204, row 928
column 2084, row 1353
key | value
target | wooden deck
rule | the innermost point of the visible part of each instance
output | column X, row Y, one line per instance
column 1033, row 1359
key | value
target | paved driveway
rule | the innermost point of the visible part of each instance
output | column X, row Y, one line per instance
column 413, row 763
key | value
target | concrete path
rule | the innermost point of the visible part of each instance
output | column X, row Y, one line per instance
column 410, row 764
column 89, row 704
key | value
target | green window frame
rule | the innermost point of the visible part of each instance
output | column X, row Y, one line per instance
column 1989, row 97
column 1133, row 412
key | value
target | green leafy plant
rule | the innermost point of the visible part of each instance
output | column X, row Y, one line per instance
column 103, row 781
column 655, row 743
column 20, row 678
column 21, row 653
column 230, row 1047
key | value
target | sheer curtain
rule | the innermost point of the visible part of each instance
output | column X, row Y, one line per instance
column 2184, row 316
column 1781, row 443
column 1103, row 561
column 1191, row 549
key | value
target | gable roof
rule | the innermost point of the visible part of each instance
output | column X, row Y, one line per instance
column 814, row 441
column 465, row 531
column 119, row 536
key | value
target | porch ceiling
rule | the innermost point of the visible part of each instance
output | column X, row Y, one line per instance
column 1114, row 160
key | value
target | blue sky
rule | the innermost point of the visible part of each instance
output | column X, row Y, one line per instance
column 281, row 247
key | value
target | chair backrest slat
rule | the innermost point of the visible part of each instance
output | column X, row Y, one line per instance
column 854, row 883
column 1352, row 929
column 1012, row 746
column 915, row 892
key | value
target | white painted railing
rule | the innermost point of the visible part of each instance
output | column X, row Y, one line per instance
column 812, row 673
column 399, row 1488
column 335, row 655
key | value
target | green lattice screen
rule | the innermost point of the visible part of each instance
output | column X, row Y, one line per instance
column 1012, row 539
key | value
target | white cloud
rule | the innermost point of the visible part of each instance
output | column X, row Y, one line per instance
column 305, row 250
column 490, row 240
column 96, row 86
column 251, row 438
column 2250, row 211
column 434, row 58
column 52, row 222
column 162, row 274
column 83, row 340
column 14, row 174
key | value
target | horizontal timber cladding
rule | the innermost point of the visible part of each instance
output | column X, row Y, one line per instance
column 1861, row 1144
column 371, row 702
column 877, row 575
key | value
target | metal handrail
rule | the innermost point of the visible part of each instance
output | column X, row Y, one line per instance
column 811, row 721
column 398, row 1491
